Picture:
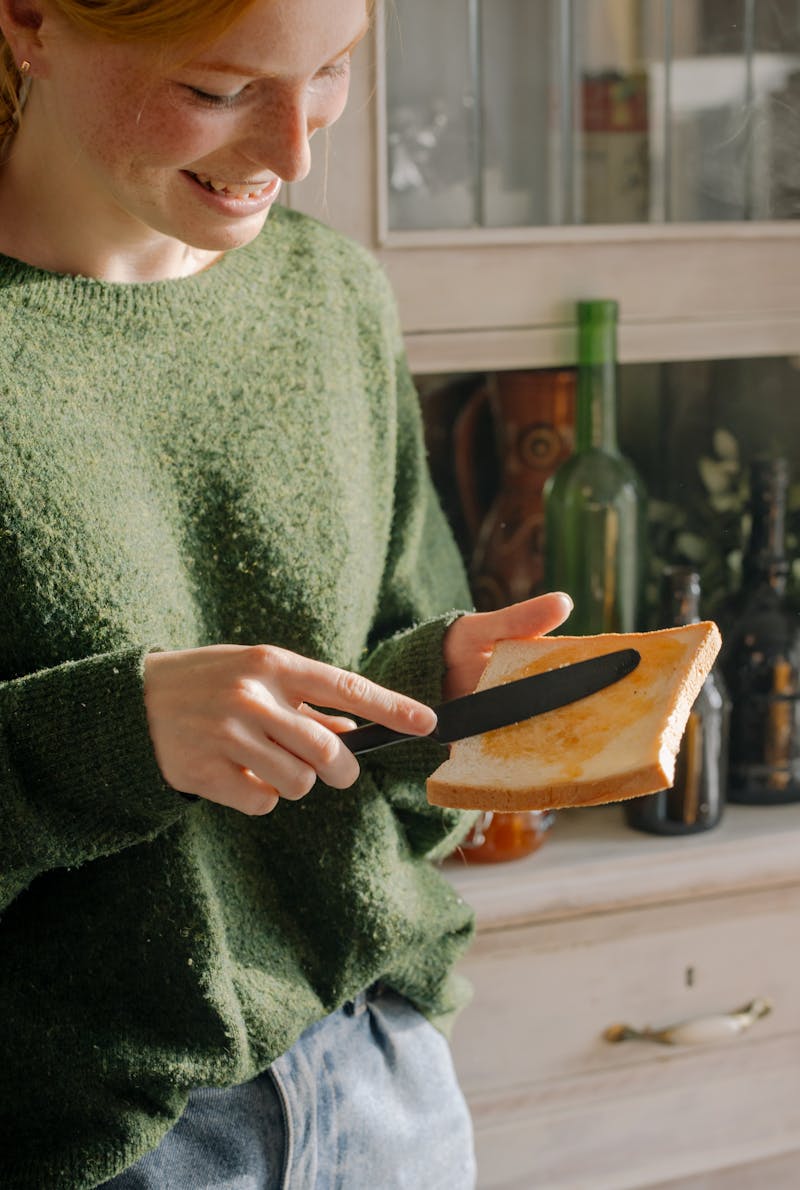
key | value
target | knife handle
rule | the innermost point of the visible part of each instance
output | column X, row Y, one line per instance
column 375, row 735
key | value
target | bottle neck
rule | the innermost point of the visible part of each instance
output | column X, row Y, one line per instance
column 596, row 423
column 597, row 409
column 680, row 597
column 771, row 573
column 765, row 560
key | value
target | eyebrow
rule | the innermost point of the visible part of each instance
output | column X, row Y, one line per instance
column 249, row 72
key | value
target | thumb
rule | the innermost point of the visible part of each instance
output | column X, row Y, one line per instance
column 532, row 617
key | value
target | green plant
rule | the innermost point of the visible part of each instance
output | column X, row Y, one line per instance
column 708, row 531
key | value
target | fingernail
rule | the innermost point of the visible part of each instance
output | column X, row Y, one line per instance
column 567, row 599
column 424, row 720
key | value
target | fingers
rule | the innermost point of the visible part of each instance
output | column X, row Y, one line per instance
column 335, row 723
column 469, row 640
column 237, row 725
column 532, row 617
column 307, row 681
column 240, row 789
column 297, row 751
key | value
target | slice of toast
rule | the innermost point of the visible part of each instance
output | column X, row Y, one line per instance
column 618, row 743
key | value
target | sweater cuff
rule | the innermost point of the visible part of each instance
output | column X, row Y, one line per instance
column 79, row 746
column 412, row 661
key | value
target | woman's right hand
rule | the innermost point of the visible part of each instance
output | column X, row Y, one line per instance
column 236, row 724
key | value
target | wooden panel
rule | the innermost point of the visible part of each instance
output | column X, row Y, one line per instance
column 660, row 279
column 554, row 346
column 777, row 1173
column 555, row 1105
column 636, row 1128
column 545, row 994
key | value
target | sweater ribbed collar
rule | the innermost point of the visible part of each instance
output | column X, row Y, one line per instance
column 77, row 298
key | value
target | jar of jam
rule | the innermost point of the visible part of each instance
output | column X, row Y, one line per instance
column 498, row 837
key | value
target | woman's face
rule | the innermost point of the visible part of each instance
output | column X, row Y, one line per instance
column 142, row 140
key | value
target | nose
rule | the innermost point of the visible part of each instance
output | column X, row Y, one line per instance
column 281, row 138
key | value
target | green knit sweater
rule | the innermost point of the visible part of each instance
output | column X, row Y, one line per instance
column 233, row 457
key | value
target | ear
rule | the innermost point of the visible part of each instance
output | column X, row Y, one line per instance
column 21, row 23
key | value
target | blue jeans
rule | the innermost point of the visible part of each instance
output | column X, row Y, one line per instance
column 366, row 1099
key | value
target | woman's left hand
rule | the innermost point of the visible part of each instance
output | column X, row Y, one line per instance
column 469, row 641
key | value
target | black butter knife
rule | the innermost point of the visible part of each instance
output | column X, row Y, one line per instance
column 502, row 706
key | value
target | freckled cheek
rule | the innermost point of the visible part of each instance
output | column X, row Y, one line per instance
column 116, row 126
column 172, row 137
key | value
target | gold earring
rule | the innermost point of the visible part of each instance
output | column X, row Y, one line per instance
column 24, row 66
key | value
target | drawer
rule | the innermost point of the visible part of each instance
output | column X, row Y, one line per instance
column 556, row 1105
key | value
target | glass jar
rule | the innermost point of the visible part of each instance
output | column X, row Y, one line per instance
column 497, row 838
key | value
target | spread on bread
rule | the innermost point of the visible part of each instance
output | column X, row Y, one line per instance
column 618, row 743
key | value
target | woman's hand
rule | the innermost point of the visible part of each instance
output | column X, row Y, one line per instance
column 469, row 640
column 233, row 724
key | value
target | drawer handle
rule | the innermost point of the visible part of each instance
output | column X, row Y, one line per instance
column 703, row 1030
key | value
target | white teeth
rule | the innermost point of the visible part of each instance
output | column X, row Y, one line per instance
column 246, row 190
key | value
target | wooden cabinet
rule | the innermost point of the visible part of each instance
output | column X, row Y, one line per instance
column 493, row 298
column 603, row 927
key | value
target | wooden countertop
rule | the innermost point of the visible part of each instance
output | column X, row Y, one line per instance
column 591, row 862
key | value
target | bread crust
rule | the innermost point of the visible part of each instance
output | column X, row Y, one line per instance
column 649, row 779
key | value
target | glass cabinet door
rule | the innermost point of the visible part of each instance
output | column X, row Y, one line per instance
column 526, row 113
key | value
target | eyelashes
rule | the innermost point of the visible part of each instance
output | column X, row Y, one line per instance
column 336, row 70
column 332, row 73
column 207, row 99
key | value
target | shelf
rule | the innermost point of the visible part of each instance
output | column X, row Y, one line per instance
column 554, row 346
column 513, row 305
column 592, row 863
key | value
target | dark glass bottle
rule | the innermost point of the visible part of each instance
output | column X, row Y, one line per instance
column 595, row 504
column 761, row 654
column 697, row 797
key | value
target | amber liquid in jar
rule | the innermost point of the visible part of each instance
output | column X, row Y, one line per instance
column 497, row 838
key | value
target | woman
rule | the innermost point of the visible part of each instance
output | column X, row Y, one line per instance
column 215, row 520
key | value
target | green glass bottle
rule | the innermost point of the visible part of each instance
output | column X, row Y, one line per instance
column 595, row 503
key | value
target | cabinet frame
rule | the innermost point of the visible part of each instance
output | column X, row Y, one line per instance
column 504, row 298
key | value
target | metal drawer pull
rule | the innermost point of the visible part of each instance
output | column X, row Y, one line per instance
column 704, row 1030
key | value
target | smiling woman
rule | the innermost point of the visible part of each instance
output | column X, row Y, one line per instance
column 169, row 150
column 226, row 956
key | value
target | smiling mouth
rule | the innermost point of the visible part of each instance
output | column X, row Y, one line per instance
column 254, row 189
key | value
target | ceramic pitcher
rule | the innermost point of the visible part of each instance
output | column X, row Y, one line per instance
column 533, row 416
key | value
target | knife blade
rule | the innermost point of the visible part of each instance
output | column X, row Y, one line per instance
column 507, row 704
